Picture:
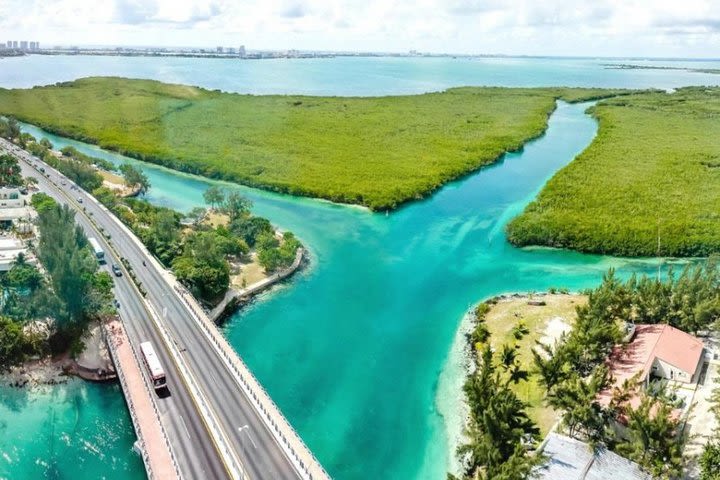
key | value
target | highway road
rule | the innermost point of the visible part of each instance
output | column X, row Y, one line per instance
column 250, row 439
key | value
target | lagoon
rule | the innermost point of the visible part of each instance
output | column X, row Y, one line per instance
column 358, row 350
column 353, row 349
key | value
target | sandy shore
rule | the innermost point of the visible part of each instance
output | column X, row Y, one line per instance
column 450, row 400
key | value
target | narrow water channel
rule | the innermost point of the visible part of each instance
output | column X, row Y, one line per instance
column 352, row 350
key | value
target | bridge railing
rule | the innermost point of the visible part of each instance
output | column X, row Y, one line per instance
column 131, row 407
column 306, row 463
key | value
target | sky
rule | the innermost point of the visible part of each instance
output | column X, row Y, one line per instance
column 652, row 28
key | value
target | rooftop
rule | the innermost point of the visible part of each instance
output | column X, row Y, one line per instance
column 570, row 459
column 650, row 342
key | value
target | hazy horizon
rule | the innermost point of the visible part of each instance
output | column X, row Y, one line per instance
column 558, row 28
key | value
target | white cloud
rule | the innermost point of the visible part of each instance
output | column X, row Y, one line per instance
column 561, row 27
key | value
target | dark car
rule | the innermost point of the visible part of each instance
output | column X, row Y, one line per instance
column 116, row 270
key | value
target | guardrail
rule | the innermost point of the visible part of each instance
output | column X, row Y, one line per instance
column 118, row 367
column 207, row 415
column 306, row 463
column 131, row 407
column 217, row 434
column 287, row 438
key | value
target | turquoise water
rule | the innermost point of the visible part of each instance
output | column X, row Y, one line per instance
column 74, row 430
column 355, row 350
column 353, row 76
column 352, row 349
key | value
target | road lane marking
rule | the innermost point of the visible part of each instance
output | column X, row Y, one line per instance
column 187, row 432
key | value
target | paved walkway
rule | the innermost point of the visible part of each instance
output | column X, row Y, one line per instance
column 151, row 439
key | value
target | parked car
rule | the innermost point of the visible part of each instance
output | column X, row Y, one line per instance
column 79, row 199
column 116, row 270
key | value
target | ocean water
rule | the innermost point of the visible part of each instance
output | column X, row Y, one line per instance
column 356, row 350
column 74, row 430
column 355, row 76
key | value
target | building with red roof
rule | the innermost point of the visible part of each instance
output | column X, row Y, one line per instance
column 659, row 351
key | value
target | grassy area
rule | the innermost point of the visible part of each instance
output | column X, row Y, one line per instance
column 378, row 152
column 543, row 322
column 652, row 173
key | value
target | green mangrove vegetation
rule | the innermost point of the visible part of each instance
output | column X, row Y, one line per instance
column 374, row 151
column 648, row 185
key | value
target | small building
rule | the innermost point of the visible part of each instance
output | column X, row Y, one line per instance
column 654, row 351
column 10, row 248
column 10, row 198
column 571, row 459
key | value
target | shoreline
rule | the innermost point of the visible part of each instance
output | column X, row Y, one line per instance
column 449, row 398
column 234, row 298
column 92, row 365
column 419, row 192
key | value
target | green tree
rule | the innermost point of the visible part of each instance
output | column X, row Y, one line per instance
column 42, row 202
column 710, row 461
column 250, row 228
column 9, row 172
column 22, row 275
column 498, row 422
column 196, row 215
column 236, row 205
column 134, row 176
column 214, row 196
column 163, row 235
column 13, row 344
column 653, row 438
column 202, row 266
column 64, row 252
column 9, row 128
column 107, row 197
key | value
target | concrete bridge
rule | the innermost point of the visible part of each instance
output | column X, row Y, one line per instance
column 216, row 421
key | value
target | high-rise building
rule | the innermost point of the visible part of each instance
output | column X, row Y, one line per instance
column 9, row 44
column 15, row 44
column 24, row 45
column 219, row 49
column 241, row 50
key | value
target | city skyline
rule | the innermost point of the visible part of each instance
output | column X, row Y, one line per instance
column 557, row 28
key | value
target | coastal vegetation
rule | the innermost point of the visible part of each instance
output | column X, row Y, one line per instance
column 199, row 253
column 48, row 311
column 630, row 66
column 648, row 185
column 374, row 151
column 525, row 320
column 514, row 356
column 573, row 371
column 499, row 430
column 83, row 291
